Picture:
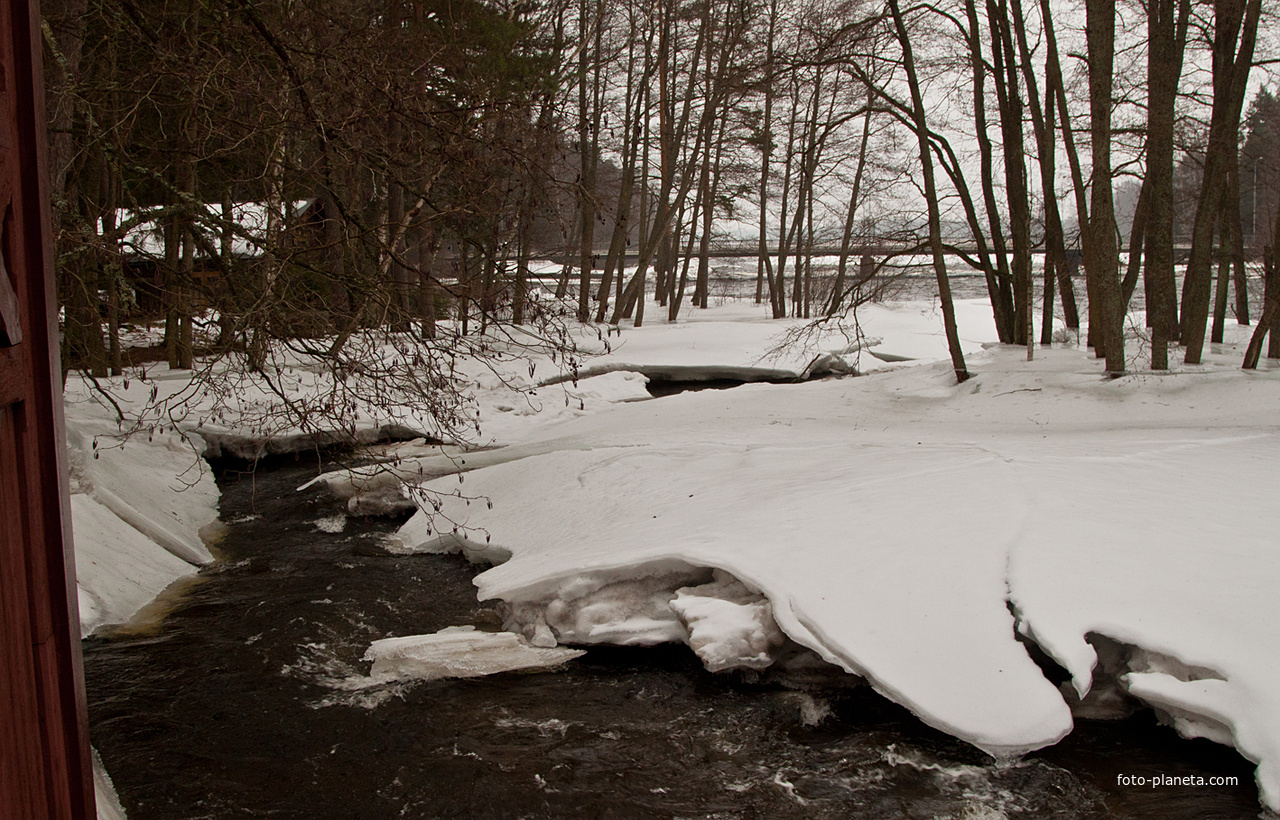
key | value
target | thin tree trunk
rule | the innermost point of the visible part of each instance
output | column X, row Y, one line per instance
column 1137, row 235
column 1220, row 298
column 1269, row 321
column 428, row 245
column 1017, row 192
column 1234, row 21
column 931, row 197
column 618, row 241
column 1235, row 230
column 1043, row 123
column 587, row 166
column 846, row 237
column 764, row 266
column 777, row 288
column 1055, row 87
column 112, row 268
column 998, row 288
column 172, row 259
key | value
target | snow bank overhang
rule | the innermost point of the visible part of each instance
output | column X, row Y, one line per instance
column 890, row 520
column 827, row 363
column 996, row 699
column 1187, row 588
column 226, row 443
column 683, row 373
column 903, row 600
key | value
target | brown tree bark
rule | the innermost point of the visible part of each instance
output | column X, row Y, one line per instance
column 931, row 195
column 1167, row 22
column 1101, row 260
column 998, row 280
column 1235, row 33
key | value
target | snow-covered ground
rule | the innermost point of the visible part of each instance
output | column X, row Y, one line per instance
column 906, row 528
column 912, row 530
column 142, row 512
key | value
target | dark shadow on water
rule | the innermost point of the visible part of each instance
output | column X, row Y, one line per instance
column 249, row 702
column 659, row 388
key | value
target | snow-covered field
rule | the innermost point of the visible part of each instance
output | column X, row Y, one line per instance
column 906, row 528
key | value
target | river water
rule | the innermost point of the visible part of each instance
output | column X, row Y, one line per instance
column 248, row 699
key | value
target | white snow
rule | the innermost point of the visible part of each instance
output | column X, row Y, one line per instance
column 140, row 513
column 906, row 528
column 901, row 526
column 729, row 626
column 1171, row 548
column 118, row 569
column 108, row 802
column 460, row 652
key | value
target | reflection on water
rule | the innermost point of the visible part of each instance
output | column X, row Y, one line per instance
column 250, row 701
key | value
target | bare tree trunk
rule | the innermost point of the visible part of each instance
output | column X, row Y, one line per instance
column 777, row 287
column 1269, row 321
column 1166, row 41
column 187, row 278
column 675, row 299
column 566, row 270
column 1137, row 235
column 708, row 213
column 1235, row 230
column 1224, row 279
column 998, row 279
column 428, row 245
column 764, row 266
column 931, row 196
column 588, row 127
column 227, row 286
column 803, row 192
column 1101, row 261
column 1235, row 21
column 846, row 237
column 1018, row 194
column 622, row 214
column 172, row 259
column 1054, row 87
column 112, row 268
column 1043, row 123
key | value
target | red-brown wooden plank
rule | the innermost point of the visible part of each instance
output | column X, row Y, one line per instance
column 45, row 770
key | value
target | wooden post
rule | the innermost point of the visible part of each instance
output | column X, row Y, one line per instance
column 45, row 768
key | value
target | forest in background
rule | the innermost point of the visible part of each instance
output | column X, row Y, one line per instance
column 409, row 159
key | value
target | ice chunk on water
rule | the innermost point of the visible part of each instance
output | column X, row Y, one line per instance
column 730, row 627
column 460, row 652
column 609, row 608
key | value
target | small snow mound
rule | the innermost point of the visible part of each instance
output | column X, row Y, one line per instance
column 729, row 626
column 1196, row 708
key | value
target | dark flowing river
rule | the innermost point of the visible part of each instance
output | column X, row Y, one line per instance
column 247, row 700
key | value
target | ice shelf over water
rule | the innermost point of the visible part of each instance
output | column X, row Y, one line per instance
column 906, row 528
column 914, row 531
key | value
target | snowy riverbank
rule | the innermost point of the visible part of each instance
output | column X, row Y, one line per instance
column 905, row 528
column 914, row 531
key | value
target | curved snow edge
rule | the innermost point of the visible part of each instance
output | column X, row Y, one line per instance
column 574, row 608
